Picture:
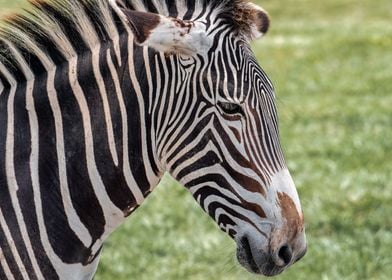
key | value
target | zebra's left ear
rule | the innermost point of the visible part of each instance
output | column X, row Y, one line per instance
column 167, row 34
column 256, row 19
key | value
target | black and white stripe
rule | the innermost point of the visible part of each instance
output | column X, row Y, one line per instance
column 90, row 121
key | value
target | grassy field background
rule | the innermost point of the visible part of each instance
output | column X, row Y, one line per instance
column 331, row 63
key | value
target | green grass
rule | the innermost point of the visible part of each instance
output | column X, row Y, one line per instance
column 331, row 63
column 7, row 6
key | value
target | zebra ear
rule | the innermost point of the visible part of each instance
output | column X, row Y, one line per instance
column 259, row 21
column 166, row 34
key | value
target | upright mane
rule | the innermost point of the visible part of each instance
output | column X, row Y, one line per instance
column 43, row 32
column 43, row 17
column 45, row 26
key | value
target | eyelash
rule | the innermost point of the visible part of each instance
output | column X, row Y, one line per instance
column 231, row 108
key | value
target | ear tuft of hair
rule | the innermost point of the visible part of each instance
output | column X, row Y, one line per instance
column 262, row 21
column 250, row 20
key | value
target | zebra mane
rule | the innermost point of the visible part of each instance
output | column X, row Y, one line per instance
column 51, row 18
column 52, row 21
column 42, row 15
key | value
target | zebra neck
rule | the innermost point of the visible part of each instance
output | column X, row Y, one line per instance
column 78, row 143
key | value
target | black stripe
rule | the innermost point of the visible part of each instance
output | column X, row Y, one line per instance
column 190, row 10
column 150, row 6
column 172, row 8
column 2, row 273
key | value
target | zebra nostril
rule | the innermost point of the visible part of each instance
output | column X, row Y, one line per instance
column 285, row 254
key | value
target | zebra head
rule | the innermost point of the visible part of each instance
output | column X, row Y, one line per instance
column 217, row 130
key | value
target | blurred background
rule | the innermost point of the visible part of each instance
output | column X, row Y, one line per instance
column 331, row 63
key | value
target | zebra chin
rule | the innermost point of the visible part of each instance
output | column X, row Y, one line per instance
column 259, row 258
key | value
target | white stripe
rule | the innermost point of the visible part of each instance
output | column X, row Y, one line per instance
column 139, row 6
column 161, row 7
column 181, row 8
column 7, row 76
column 149, row 79
column 1, row 86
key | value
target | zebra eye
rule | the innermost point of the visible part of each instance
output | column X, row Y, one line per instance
column 231, row 108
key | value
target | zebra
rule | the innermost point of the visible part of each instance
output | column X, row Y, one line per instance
column 99, row 98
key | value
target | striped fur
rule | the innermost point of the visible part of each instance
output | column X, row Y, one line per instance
column 90, row 121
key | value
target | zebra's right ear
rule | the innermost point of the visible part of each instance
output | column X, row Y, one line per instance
column 166, row 34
